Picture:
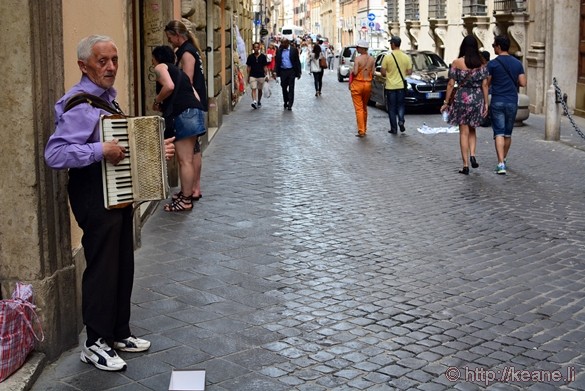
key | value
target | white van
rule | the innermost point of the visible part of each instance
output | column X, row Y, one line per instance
column 291, row 32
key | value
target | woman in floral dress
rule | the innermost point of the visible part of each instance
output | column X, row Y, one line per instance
column 468, row 104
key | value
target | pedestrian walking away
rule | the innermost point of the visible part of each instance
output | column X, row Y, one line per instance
column 395, row 66
column 317, row 70
column 467, row 105
column 304, row 55
column 190, row 60
column 330, row 57
column 257, row 74
column 271, row 57
column 288, row 67
column 506, row 75
column 107, row 233
column 361, row 85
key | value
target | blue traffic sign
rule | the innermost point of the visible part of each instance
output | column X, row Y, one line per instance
column 371, row 25
column 371, row 17
column 257, row 22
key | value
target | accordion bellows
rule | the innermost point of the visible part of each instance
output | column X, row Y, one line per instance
column 142, row 175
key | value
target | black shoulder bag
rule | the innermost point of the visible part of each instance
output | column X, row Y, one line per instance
column 400, row 72
column 508, row 72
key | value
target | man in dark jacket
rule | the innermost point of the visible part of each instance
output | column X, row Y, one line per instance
column 288, row 67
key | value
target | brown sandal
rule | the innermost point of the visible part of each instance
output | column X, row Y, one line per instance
column 180, row 204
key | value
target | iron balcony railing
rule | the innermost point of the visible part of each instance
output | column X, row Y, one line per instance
column 392, row 10
column 509, row 6
column 474, row 8
column 437, row 9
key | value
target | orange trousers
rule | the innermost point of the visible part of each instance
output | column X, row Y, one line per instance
column 360, row 94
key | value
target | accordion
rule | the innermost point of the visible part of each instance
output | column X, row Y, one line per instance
column 142, row 174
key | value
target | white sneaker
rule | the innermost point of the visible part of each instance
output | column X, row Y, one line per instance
column 132, row 344
column 102, row 356
column 254, row 105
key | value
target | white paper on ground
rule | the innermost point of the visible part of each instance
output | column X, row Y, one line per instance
column 425, row 129
column 187, row 380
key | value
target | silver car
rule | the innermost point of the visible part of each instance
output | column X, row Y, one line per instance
column 345, row 63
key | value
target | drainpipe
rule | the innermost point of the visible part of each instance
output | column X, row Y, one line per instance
column 209, row 54
column 212, row 115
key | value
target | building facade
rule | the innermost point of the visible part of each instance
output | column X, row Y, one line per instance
column 542, row 33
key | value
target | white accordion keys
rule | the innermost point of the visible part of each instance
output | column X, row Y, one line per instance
column 142, row 175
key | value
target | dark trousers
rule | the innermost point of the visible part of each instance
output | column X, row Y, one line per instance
column 396, row 107
column 109, row 252
column 287, row 83
column 318, row 78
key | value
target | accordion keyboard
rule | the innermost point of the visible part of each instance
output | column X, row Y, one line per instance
column 142, row 174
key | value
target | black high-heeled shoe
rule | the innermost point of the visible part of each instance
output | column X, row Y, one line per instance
column 464, row 171
column 474, row 162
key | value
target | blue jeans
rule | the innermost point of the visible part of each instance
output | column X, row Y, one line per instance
column 395, row 107
column 503, row 118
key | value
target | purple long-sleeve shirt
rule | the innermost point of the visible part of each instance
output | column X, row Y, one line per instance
column 76, row 141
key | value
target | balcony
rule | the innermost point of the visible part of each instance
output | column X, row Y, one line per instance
column 437, row 9
column 411, row 11
column 508, row 6
column 474, row 8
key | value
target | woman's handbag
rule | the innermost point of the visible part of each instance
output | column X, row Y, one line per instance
column 455, row 88
column 19, row 324
column 486, row 121
column 322, row 61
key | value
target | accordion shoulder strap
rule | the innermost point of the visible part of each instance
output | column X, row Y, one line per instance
column 94, row 101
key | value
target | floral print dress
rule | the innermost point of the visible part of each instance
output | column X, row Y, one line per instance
column 467, row 105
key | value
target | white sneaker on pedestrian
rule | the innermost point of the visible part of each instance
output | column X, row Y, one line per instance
column 132, row 344
column 254, row 105
column 102, row 356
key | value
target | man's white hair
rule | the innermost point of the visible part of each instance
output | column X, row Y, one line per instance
column 86, row 45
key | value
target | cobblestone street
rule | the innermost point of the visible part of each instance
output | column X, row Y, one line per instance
column 317, row 260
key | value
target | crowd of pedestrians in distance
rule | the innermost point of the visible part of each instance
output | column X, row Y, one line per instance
column 480, row 92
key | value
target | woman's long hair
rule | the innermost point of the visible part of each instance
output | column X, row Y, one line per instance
column 176, row 27
column 316, row 50
column 469, row 50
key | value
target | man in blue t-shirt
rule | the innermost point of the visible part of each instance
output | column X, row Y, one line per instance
column 506, row 75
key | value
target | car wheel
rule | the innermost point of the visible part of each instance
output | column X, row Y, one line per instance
column 339, row 78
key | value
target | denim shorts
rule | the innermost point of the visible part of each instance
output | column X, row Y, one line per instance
column 189, row 123
column 503, row 117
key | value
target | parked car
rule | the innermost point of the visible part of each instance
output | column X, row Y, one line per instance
column 372, row 52
column 344, row 62
column 427, row 85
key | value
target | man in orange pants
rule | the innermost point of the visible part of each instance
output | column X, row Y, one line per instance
column 361, row 85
